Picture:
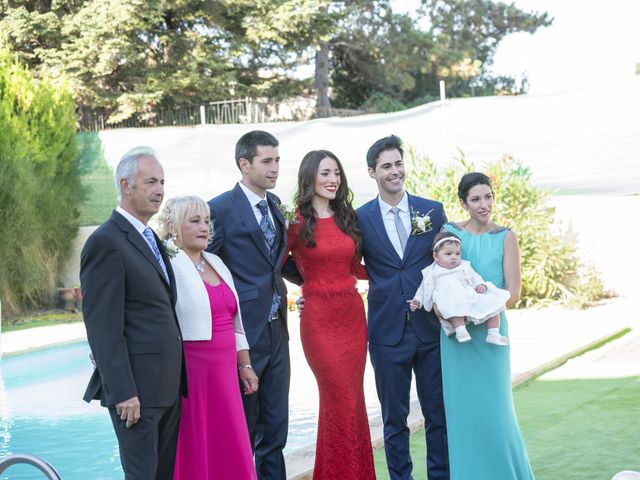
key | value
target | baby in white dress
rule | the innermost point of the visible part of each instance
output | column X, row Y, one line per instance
column 460, row 294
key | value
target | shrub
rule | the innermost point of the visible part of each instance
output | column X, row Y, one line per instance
column 38, row 186
column 380, row 102
column 551, row 269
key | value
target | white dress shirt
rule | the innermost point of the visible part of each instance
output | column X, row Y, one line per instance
column 389, row 223
column 137, row 224
column 254, row 200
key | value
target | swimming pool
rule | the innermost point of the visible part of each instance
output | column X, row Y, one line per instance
column 42, row 413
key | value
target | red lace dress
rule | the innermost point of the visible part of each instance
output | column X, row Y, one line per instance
column 333, row 330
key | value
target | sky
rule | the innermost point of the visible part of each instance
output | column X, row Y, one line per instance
column 590, row 43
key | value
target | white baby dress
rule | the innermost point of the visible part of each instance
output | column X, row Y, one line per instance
column 454, row 292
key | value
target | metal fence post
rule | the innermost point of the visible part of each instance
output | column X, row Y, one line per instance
column 203, row 118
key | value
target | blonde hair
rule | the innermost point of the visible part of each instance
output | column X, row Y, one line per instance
column 176, row 210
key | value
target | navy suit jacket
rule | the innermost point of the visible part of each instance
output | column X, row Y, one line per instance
column 239, row 242
column 394, row 280
column 128, row 310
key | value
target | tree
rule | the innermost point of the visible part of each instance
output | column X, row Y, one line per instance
column 303, row 31
column 391, row 54
column 466, row 34
column 133, row 56
column 384, row 53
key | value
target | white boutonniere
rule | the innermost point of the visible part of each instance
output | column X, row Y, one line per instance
column 420, row 223
column 171, row 247
column 289, row 214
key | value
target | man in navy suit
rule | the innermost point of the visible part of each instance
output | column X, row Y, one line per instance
column 395, row 249
column 129, row 297
column 250, row 237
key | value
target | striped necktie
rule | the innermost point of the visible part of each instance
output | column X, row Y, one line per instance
column 151, row 240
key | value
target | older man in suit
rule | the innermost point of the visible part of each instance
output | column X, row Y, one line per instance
column 250, row 237
column 129, row 296
column 395, row 250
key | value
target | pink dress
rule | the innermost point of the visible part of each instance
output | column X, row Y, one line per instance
column 213, row 442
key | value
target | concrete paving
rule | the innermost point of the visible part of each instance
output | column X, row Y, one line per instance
column 22, row 341
column 617, row 359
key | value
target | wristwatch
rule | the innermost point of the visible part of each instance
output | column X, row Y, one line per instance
column 240, row 367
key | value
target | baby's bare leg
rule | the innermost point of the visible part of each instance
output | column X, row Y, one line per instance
column 493, row 322
column 456, row 321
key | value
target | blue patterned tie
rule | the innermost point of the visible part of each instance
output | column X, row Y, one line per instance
column 151, row 240
column 270, row 236
column 265, row 224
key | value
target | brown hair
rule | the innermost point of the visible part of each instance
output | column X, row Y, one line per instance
column 341, row 206
column 442, row 235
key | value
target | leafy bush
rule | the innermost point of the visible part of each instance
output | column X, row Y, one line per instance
column 380, row 102
column 38, row 186
column 551, row 269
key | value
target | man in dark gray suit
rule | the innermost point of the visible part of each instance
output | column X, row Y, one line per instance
column 128, row 307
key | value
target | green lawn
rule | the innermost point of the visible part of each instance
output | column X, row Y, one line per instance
column 40, row 319
column 574, row 429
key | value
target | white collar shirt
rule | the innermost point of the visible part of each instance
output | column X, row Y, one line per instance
column 253, row 201
column 137, row 224
column 389, row 223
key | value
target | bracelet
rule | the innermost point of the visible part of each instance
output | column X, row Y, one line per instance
column 240, row 367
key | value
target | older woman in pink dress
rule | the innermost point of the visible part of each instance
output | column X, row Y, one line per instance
column 213, row 442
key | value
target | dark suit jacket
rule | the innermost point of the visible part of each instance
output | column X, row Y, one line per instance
column 128, row 310
column 240, row 243
column 394, row 280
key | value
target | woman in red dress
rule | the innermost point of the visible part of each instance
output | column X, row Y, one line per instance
column 325, row 244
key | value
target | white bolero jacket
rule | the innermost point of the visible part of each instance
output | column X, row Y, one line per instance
column 192, row 305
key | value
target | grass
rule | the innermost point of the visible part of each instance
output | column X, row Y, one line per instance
column 574, row 429
column 40, row 319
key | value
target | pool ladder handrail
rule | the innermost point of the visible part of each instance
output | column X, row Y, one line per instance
column 29, row 459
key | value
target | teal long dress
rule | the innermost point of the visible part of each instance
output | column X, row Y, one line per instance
column 485, row 442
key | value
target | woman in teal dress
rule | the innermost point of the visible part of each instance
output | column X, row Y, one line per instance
column 485, row 442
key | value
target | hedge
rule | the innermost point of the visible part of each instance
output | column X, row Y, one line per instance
column 39, row 190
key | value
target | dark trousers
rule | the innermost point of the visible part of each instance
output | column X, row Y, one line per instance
column 393, row 366
column 148, row 449
column 267, row 410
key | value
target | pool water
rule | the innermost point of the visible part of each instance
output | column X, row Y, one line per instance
column 42, row 413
